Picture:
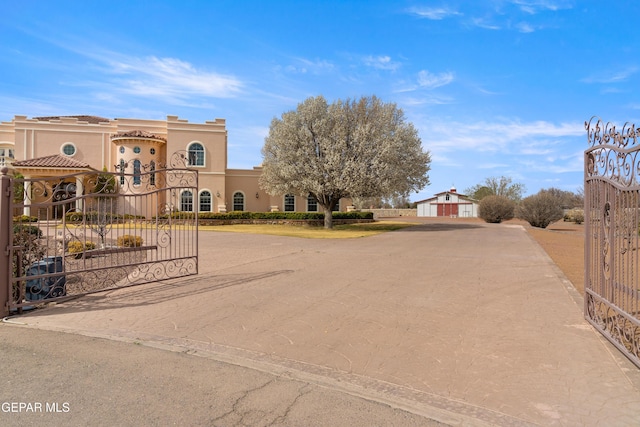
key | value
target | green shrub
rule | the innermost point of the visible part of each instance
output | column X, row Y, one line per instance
column 25, row 218
column 77, row 247
column 27, row 237
column 541, row 209
column 352, row 215
column 129, row 241
column 495, row 209
column 93, row 216
column 279, row 215
column 27, row 229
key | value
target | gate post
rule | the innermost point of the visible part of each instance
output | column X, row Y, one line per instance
column 5, row 232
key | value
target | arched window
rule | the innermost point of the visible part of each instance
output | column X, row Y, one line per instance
column 136, row 172
column 186, row 201
column 196, row 154
column 205, row 201
column 238, row 201
column 289, row 203
column 152, row 176
column 122, row 167
column 312, row 204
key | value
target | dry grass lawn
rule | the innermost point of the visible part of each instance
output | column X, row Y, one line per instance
column 338, row 232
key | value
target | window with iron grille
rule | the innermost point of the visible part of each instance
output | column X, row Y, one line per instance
column 136, row 172
column 312, row 204
column 238, row 201
column 289, row 203
column 196, row 154
column 186, row 201
column 152, row 176
column 205, row 201
column 122, row 167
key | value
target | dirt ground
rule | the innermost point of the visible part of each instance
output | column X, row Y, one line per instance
column 564, row 243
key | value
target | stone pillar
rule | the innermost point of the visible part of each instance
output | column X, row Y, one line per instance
column 79, row 191
column 27, row 196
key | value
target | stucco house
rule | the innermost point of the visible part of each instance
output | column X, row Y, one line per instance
column 62, row 145
column 448, row 204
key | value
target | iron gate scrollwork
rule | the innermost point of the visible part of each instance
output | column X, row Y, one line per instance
column 612, row 240
column 92, row 231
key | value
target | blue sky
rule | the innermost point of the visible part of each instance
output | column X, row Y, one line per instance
column 494, row 87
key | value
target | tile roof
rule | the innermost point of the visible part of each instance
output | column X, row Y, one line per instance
column 55, row 161
column 136, row 133
column 91, row 119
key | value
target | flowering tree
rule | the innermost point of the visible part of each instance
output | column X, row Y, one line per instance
column 352, row 148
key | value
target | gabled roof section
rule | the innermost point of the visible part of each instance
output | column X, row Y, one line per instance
column 451, row 192
column 82, row 118
column 137, row 133
column 56, row 161
column 460, row 196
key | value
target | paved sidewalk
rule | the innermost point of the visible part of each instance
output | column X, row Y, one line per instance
column 463, row 323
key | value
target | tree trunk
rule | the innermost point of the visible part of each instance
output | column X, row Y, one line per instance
column 328, row 217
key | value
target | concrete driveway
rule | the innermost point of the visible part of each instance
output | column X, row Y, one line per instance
column 464, row 323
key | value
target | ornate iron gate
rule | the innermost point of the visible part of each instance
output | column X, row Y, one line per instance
column 612, row 242
column 92, row 231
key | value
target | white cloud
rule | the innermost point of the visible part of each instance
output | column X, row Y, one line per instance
column 433, row 13
column 612, row 76
column 534, row 6
column 304, row 66
column 430, row 81
column 492, row 165
column 427, row 100
column 381, row 62
column 504, row 137
column 525, row 27
column 482, row 23
column 155, row 77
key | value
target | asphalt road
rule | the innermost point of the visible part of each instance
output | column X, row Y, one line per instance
column 59, row 379
column 463, row 323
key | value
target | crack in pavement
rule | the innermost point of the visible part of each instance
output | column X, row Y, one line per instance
column 244, row 410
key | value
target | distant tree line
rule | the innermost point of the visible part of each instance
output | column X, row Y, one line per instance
column 501, row 200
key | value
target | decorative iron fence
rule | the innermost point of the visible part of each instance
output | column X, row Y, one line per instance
column 92, row 231
column 612, row 242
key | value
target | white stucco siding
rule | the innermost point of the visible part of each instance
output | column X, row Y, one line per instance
column 466, row 208
column 427, row 208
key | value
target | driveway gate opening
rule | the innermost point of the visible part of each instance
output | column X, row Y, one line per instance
column 612, row 243
column 91, row 231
